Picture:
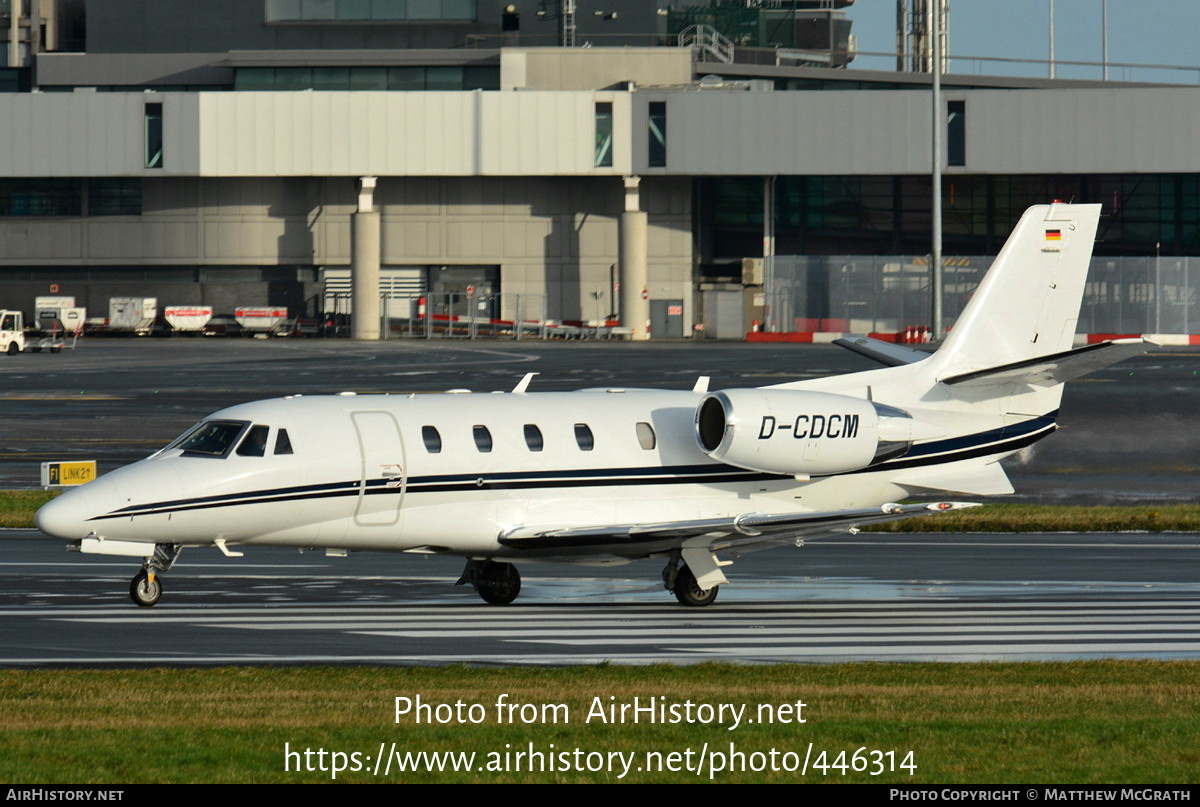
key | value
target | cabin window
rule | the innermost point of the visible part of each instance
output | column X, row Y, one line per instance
column 533, row 437
column 433, row 440
column 583, row 436
column 483, row 439
column 645, row 435
column 211, row 438
column 282, row 444
column 254, row 444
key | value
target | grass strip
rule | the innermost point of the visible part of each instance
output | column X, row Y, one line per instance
column 1081, row 722
column 18, row 506
column 1053, row 518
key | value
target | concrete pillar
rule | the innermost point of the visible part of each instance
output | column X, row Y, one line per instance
column 364, row 263
column 14, row 33
column 635, row 285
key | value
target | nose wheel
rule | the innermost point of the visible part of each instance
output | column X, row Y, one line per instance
column 146, row 587
column 144, row 590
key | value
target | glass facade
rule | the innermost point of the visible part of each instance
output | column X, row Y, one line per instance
column 404, row 79
column 114, row 197
column 366, row 11
column 882, row 215
column 41, row 197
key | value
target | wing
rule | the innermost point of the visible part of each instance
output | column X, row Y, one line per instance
column 887, row 353
column 743, row 531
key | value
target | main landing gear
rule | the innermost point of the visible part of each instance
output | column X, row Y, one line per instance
column 680, row 581
column 146, row 588
column 496, row 583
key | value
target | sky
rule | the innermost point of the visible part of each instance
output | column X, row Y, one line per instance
column 1144, row 32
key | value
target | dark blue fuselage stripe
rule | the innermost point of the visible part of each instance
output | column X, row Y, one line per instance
column 995, row 441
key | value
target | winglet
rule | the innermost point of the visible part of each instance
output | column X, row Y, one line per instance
column 523, row 384
column 701, row 386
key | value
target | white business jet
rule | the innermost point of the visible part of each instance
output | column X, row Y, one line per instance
column 608, row 476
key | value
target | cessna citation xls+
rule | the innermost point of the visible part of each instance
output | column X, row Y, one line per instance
column 609, row 476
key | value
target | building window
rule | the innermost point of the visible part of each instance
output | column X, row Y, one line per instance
column 583, row 436
column 41, row 197
column 114, row 197
column 406, row 79
column 657, row 156
column 154, row 135
column 604, row 135
column 432, row 440
column 360, row 11
column 956, row 133
column 533, row 437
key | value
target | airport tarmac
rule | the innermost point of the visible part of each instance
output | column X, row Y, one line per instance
column 883, row 597
column 1127, row 437
column 1127, row 433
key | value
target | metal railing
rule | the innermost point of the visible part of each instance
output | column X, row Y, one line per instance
column 709, row 43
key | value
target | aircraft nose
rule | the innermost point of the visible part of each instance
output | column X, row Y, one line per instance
column 69, row 515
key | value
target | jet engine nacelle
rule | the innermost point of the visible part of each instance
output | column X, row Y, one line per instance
column 799, row 433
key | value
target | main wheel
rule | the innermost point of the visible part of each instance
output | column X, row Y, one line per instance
column 13, row 348
column 144, row 592
column 498, row 583
column 688, row 591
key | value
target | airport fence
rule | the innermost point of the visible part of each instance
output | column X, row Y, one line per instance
column 887, row 294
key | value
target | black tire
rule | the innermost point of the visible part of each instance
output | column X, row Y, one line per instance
column 498, row 583
column 143, row 592
column 688, row 591
column 55, row 349
column 13, row 348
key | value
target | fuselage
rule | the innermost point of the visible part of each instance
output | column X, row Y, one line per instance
column 436, row 473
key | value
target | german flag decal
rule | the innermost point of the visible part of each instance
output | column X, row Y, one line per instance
column 1053, row 235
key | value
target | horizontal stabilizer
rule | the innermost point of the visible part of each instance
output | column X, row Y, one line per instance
column 887, row 353
column 746, row 525
column 961, row 477
column 1049, row 371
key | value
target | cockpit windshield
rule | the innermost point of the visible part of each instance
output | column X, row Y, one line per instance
column 209, row 438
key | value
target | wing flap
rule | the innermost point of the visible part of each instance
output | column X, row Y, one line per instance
column 748, row 527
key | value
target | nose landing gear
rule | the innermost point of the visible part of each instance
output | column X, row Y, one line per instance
column 146, row 589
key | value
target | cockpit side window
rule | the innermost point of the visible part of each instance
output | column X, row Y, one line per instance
column 210, row 438
column 254, row 444
column 283, row 445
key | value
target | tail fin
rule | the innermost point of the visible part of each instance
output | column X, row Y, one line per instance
column 1027, row 306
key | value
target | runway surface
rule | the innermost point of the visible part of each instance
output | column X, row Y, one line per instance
column 869, row 597
column 1127, row 432
column 1127, row 437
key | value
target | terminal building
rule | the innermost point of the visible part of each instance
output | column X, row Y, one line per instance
column 547, row 160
